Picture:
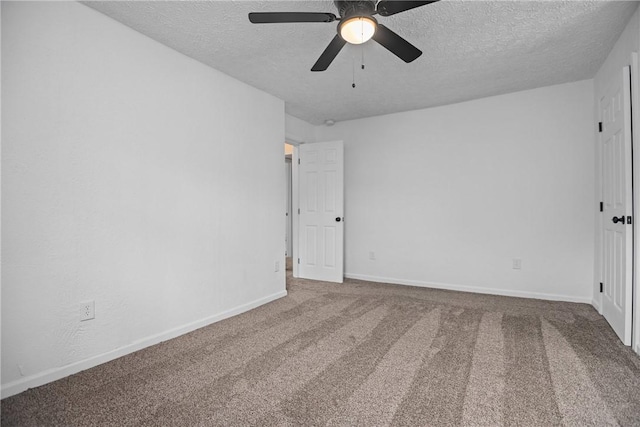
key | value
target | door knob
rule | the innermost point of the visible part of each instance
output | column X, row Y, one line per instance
column 338, row 219
column 616, row 220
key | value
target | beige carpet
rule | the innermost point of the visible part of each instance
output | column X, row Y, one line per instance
column 362, row 354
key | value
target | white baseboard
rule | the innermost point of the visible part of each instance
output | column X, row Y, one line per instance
column 596, row 304
column 473, row 289
column 54, row 374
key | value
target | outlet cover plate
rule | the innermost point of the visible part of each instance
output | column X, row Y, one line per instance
column 87, row 310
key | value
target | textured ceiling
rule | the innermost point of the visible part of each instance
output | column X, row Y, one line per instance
column 471, row 49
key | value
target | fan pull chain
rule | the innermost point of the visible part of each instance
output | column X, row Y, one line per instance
column 353, row 72
column 362, row 45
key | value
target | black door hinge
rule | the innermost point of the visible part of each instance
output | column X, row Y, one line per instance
column 299, row 263
column 601, row 287
column 601, row 207
column 599, row 126
column 298, row 161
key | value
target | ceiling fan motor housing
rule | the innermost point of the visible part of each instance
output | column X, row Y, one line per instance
column 349, row 9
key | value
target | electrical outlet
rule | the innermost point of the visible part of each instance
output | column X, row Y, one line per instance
column 517, row 264
column 87, row 310
column 372, row 256
column 277, row 266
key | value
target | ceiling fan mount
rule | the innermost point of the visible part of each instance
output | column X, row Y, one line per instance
column 349, row 9
column 356, row 25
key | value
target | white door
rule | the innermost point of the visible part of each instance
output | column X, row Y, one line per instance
column 321, row 224
column 615, row 113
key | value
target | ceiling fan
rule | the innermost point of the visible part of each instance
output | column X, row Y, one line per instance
column 356, row 26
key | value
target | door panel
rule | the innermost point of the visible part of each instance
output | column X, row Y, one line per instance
column 615, row 113
column 311, row 245
column 311, row 178
column 321, row 203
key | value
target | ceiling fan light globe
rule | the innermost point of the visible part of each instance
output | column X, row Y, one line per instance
column 358, row 29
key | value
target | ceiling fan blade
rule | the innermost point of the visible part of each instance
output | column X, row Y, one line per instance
column 290, row 17
column 396, row 44
column 391, row 7
column 329, row 54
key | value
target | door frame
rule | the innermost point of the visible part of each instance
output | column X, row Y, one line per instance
column 288, row 161
column 295, row 207
column 295, row 220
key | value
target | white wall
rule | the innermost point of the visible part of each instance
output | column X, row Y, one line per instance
column 448, row 196
column 132, row 176
column 618, row 58
column 298, row 131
